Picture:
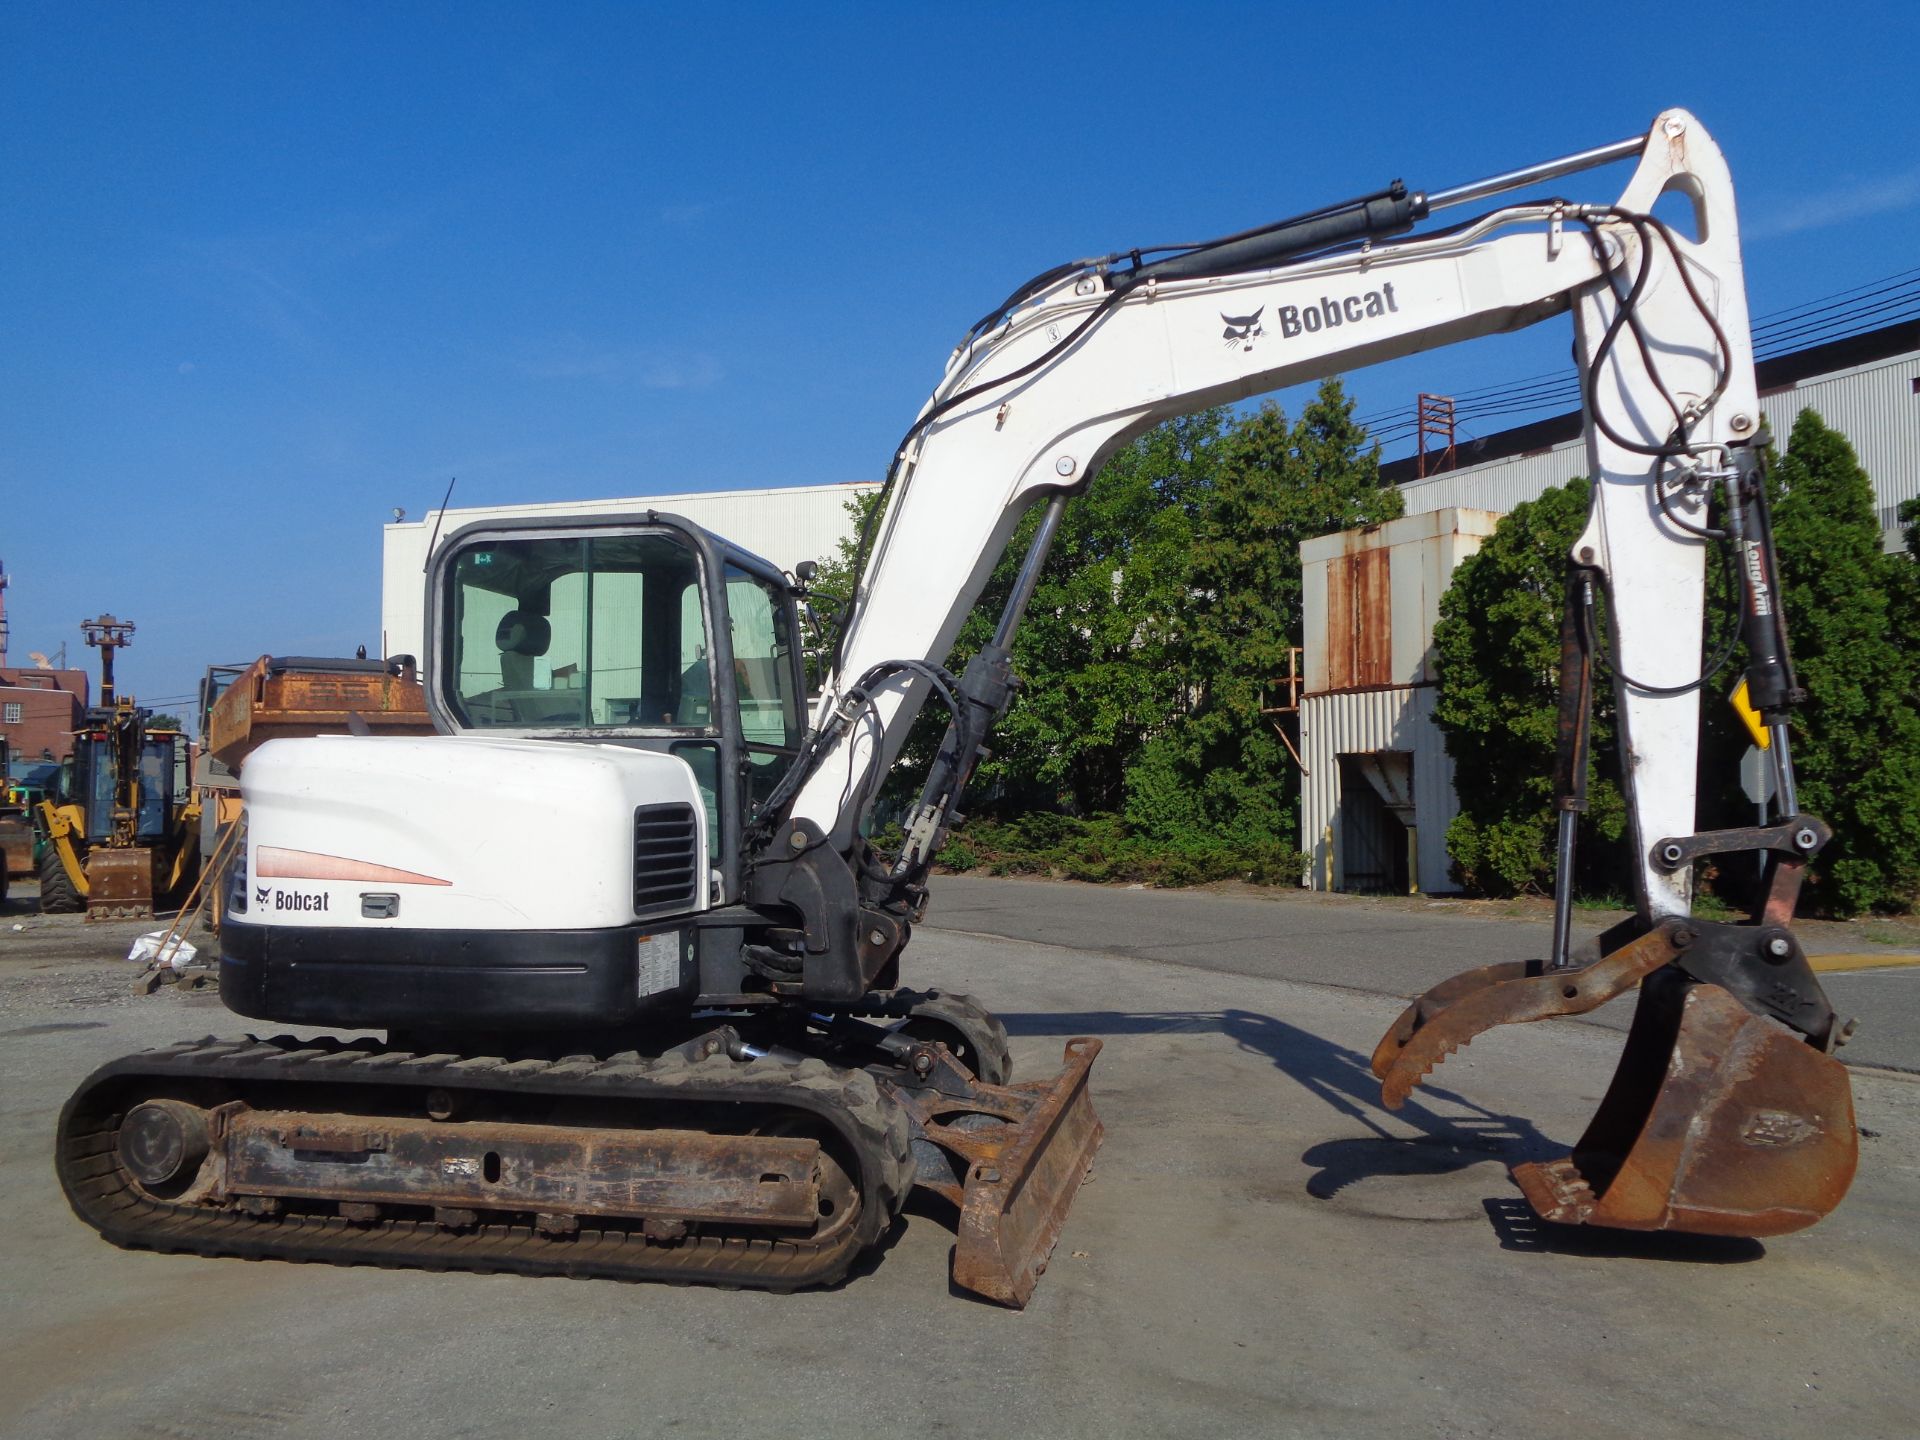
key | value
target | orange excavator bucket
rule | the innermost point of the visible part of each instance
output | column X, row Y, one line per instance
column 1726, row 1114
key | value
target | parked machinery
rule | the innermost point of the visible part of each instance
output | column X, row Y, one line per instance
column 16, row 831
column 120, row 834
column 638, row 962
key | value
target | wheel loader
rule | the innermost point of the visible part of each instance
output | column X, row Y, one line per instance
column 119, row 837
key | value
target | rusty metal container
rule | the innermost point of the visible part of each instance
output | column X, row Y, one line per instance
column 289, row 697
column 16, row 842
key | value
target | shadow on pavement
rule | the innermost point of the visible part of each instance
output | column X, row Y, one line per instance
column 1446, row 1144
column 1523, row 1231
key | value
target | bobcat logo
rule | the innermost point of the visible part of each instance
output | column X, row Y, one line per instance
column 260, row 894
column 1243, row 330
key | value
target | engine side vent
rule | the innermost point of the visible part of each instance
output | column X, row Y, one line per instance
column 666, row 860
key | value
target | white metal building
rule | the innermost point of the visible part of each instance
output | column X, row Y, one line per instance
column 1866, row 386
column 1378, row 793
column 1378, row 790
column 786, row 525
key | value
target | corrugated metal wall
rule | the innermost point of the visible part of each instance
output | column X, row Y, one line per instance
column 1499, row 484
column 1877, row 409
column 1357, row 723
column 1874, row 406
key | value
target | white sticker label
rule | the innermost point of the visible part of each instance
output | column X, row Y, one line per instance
column 659, row 962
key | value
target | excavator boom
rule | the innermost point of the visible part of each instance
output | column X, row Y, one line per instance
column 1089, row 356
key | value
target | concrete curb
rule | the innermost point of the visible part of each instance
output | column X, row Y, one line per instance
column 1833, row 964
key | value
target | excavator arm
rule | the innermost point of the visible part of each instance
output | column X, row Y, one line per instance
column 1092, row 354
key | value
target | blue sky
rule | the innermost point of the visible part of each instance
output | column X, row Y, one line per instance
column 273, row 270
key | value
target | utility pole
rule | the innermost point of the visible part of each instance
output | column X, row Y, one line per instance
column 1434, row 416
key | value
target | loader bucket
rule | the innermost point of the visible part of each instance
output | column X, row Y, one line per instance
column 1718, row 1122
column 120, row 883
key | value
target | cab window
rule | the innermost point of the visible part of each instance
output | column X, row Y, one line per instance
column 763, row 676
column 581, row 632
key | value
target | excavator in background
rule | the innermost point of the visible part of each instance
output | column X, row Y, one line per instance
column 638, row 966
column 120, row 834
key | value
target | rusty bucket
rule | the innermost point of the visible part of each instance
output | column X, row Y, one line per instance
column 1719, row 1120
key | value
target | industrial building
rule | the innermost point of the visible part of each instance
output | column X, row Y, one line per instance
column 40, row 705
column 786, row 525
column 1378, row 792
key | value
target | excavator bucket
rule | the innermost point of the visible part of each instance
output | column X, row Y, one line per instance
column 1719, row 1120
column 1018, row 1156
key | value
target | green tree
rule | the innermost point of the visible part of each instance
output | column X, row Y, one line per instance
column 1850, row 607
column 1097, row 649
column 1218, row 769
column 1100, row 649
column 832, row 588
column 1497, row 661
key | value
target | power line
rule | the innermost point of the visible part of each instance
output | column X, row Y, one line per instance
column 1842, row 314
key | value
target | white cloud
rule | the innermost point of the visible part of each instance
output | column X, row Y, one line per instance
column 1841, row 205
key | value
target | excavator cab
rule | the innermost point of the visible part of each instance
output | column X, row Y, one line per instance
column 657, row 636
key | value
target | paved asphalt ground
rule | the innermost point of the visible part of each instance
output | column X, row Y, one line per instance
column 1262, row 1249
column 1397, row 946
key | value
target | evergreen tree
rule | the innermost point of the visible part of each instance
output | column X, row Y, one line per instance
column 1497, row 658
column 1219, row 770
column 1850, row 607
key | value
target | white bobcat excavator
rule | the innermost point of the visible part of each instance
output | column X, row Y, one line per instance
column 641, row 992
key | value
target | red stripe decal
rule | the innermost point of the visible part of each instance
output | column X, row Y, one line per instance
column 270, row 863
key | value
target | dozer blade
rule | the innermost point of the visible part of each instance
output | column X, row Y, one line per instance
column 1718, row 1121
column 1025, row 1148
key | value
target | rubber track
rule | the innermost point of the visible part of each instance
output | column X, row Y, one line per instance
column 874, row 1127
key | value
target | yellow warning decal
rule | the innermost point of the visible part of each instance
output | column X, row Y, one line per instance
column 1750, row 717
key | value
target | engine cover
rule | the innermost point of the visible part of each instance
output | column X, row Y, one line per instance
column 458, row 833
column 456, row 882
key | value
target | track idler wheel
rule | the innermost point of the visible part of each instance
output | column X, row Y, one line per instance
column 1719, row 1120
column 162, row 1142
